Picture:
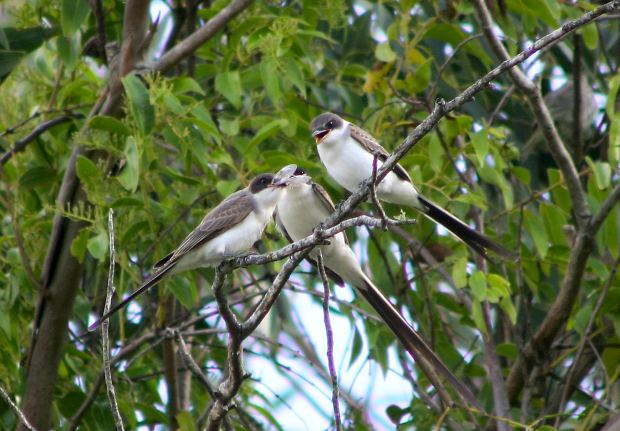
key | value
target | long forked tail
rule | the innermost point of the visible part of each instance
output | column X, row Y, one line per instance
column 156, row 278
column 412, row 341
column 477, row 241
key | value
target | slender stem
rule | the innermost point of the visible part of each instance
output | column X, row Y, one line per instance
column 105, row 336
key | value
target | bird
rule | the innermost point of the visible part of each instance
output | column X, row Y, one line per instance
column 303, row 206
column 348, row 153
column 228, row 230
column 560, row 103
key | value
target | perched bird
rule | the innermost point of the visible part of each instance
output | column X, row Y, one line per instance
column 229, row 229
column 302, row 206
column 560, row 103
column 348, row 153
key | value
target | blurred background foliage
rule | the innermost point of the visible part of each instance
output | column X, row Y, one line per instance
column 241, row 106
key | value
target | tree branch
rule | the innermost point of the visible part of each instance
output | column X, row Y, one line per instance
column 330, row 342
column 105, row 336
column 187, row 46
column 38, row 131
column 5, row 396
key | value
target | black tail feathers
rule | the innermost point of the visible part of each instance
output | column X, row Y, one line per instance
column 477, row 241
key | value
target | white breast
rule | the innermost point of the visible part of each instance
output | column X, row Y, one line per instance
column 233, row 242
column 349, row 164
column 300, row 211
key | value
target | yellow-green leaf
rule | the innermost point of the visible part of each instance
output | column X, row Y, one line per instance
column 130, row 175
column 228, row 84
column 384, row 52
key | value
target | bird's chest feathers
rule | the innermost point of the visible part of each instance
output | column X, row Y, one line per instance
column 240, row 237
column 300, row 212
column 346, row 161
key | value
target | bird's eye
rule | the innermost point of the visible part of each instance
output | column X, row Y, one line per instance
column 330, row 124
column 299, row 171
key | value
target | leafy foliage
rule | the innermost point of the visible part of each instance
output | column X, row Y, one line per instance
column 192, row 136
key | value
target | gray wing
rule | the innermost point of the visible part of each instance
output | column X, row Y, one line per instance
column 367, row 141
column 327, row 202
column 230, row 212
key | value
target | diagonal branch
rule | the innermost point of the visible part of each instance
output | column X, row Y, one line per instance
column 38, row 131
column 541, row 112
column 187, row 46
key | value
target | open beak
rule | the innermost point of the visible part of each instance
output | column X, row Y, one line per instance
column 284, row 175
column 278, row 183
column 319, row 134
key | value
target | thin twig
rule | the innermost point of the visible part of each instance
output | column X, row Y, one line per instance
column 105, row 336
column 187, row 46
column 191, row 363
column 586, row 335
column 442, row 68
column 38, row 131
column 373, row 193
column 5, row 396
column 330, row 342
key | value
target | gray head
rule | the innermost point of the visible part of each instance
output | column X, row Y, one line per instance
column 323, row 124
column 265, row 181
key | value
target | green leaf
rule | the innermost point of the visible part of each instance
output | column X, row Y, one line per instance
column 98, row 245
column 459, row 273
column 590, row 36
column 228, row 84
column 506, row 304
column 418, row 81
column 602, row 173
column 185, row 84
column 229, row 127
column 130, row 175
column 79, row 244
column 140, row 103
column 536, row 229
column 384, row 52
column 395, row 413
column 186, row 422
column 69, row 50
column 356, row 345
column 296, row 76
column 614, row 139
column 20, row 42
column 87, row 171
column 614, row 86
column 269, row 76
column 435, row 152
column 36, row 177
column 478, row 285
column 554, row 220
column 507, row 350
column 226, row 187
column 266, row 131
column 476, row 314
column 480, row 141
column 184, row 293
column 4, row 40
column 499, row 284
column 108, row 124
column 72, row 15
